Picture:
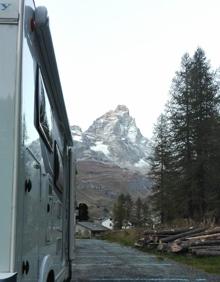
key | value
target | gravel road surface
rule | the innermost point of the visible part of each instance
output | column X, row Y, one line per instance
column 98, row 260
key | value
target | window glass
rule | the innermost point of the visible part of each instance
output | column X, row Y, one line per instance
column 45, row 117
column 29, row 133
column 58, row 169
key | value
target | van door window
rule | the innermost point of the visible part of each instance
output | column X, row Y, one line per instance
column 44, row 115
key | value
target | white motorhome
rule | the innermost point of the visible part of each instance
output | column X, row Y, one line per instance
column 36, row 162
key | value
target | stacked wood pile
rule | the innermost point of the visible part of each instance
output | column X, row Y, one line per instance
column 197, row 241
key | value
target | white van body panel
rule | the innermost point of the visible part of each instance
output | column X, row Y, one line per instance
column 8, row 68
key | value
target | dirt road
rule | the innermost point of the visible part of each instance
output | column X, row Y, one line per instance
column 98, row 260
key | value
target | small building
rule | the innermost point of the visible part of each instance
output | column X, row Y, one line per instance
column 108, row 223
column 127, row 225
column 86, row 229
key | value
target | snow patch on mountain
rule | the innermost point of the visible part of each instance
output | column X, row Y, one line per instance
column 77, row 133
column 132, row 134
column 78, row 138
column 100, row 147
column 141, row 163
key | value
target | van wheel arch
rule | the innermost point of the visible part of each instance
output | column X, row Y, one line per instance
column 47, row 273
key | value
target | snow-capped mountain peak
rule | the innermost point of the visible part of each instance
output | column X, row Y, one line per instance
column 113, row 137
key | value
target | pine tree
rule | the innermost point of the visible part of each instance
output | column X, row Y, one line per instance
column 128, row 204
column 138, row 218
column 206, row 117
column 160, row 171
column 194, row 121
column 122, row 211
column 119, row 212
column 180, row 111
column 147, row 221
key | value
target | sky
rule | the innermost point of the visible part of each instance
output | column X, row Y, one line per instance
column 126, row 52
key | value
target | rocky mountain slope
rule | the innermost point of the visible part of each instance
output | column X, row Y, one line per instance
column 99, row 185
column 112, row 158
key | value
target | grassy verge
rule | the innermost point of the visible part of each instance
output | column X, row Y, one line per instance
column 129, row 237
column 207, row 264
column 124, row 237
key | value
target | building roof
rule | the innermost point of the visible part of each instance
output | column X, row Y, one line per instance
column 92, row 226
column 107, row 219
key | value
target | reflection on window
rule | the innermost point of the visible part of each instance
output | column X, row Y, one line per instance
column 29, row 133
column 44, row 116
column 58, row 169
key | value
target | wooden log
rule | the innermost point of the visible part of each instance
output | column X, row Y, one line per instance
column 182, row 235
column 215, row 248
column 174, row 231
column 217, row 235
column 213, row 230
column 202, row 253
column 175, row 247
column 167, row 232
column 202, row 243
column 209, row 232
column 182, row 246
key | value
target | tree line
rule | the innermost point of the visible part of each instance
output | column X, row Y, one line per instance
column 127, row 211
column 185, row 160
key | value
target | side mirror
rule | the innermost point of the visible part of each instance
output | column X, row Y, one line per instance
column 83, row 214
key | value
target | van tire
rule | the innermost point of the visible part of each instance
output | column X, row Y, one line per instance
column 50, row 277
